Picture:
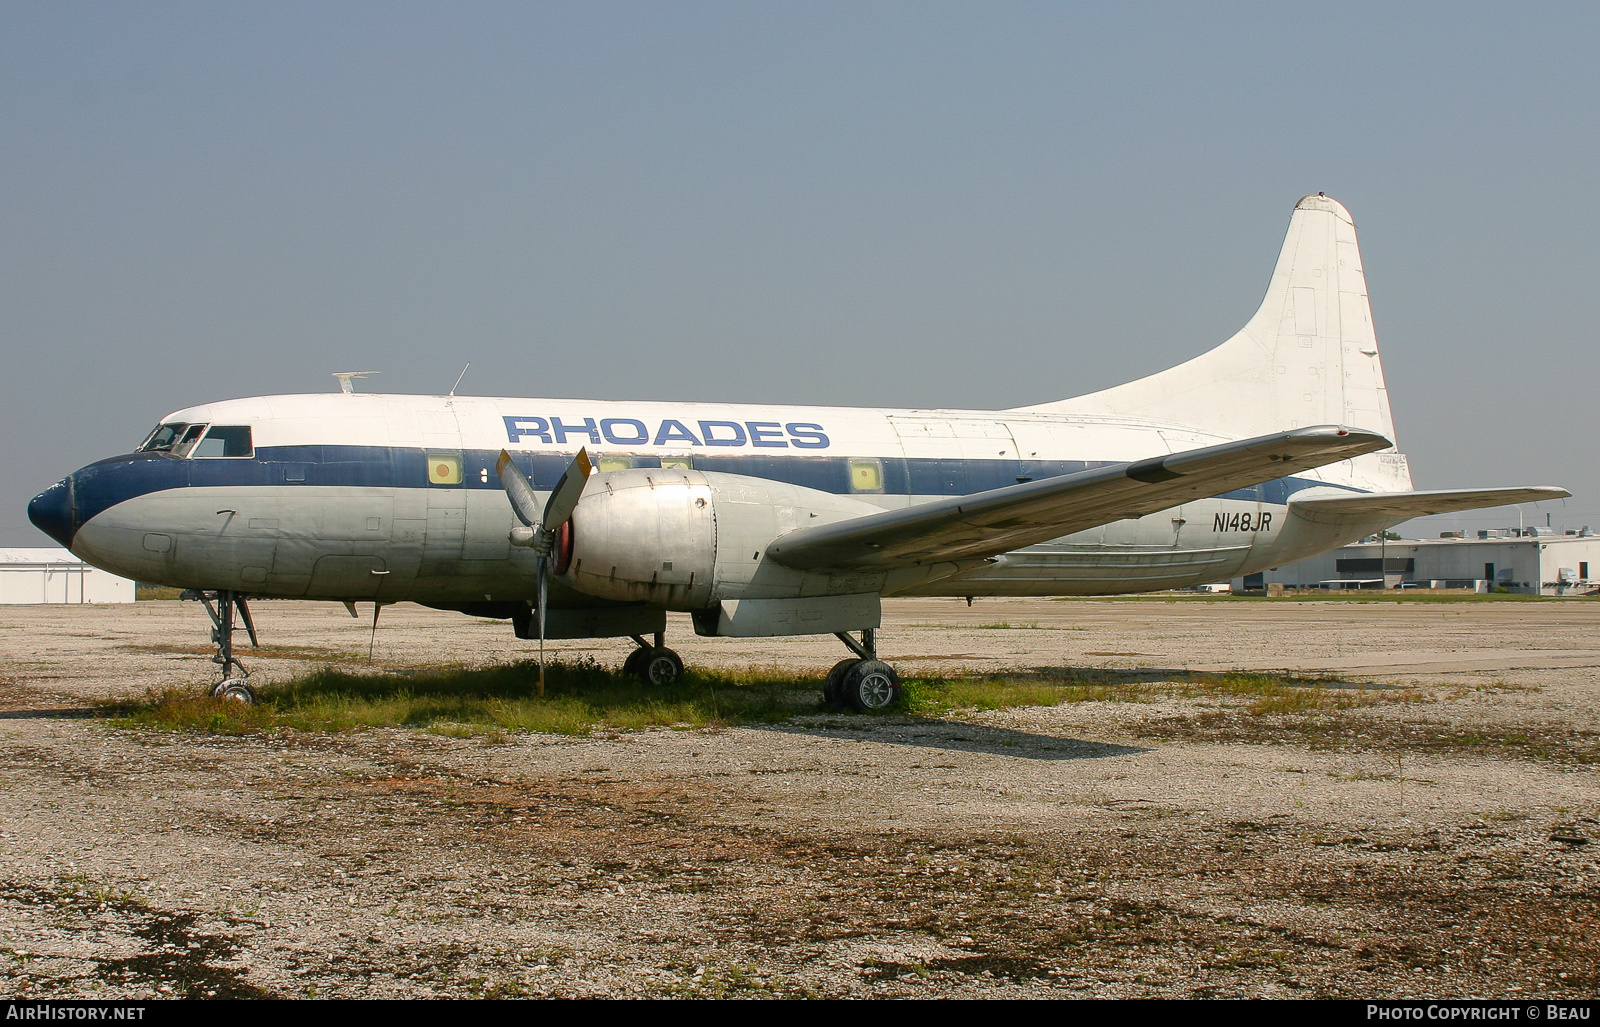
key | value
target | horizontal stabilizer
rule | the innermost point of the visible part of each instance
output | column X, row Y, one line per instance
column 1402, row 506
column 989, row 523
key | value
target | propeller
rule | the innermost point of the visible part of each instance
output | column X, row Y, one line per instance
column 539, row 532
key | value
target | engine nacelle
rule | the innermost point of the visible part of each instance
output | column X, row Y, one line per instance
column 685, row 540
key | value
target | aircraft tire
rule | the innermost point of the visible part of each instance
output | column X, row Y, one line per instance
column 871, row 686
column 630, row 666
column 830, row 684
column 661, row 667
column 235, row 690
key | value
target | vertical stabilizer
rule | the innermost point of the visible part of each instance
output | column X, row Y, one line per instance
column 1309, row 356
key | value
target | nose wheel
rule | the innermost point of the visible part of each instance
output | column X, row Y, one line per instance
column 654, row 665
column 234, row 690
column 865, row 684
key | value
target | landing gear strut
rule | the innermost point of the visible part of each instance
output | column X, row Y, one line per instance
column 653, row 664
column 865, row 683
column 222, row 606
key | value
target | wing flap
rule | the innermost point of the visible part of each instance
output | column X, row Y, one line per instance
column 986, row 524
column 1402, row 506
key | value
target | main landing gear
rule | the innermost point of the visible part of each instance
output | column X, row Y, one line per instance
column 653, row 664
column 864, row 683
column 223, row 605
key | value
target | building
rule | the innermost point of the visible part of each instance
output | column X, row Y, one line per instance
column 1532, row 561
column 56, row 576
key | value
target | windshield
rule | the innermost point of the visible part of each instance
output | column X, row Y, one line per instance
column 163, row 438
column 189, row 438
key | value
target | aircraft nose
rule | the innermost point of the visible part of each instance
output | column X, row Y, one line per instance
column 51, row 512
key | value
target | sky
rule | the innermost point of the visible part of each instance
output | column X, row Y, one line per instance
column 975, row 205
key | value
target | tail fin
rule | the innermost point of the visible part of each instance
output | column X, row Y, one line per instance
column 1309, row 356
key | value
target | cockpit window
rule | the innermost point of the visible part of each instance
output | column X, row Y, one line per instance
column 190, row 437
column 225, row 440
column 163, row 438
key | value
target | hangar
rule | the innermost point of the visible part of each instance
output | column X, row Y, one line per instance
column 53, row 575
column 1531, row 561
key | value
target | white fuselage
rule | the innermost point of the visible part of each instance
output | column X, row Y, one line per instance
column 365, row 496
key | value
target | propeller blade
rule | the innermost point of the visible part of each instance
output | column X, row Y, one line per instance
column 564, row 497
column 563, row 500
column 518, row 489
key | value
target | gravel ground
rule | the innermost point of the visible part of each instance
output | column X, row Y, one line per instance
column 1429, row 848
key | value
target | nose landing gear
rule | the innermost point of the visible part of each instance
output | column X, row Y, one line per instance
column 865, row 684
column 222, row 606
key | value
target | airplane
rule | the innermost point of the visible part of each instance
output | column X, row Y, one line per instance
column 594, row 518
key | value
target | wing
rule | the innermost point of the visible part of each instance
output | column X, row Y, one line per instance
column 1402, row 506
column 989, row 523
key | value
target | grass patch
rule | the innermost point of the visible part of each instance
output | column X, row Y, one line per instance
column 142, row 592
column 939, row 696
column 1266, row 693
column 1287, row 693
column 580, row 698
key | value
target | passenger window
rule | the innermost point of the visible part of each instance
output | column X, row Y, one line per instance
column 163, row 438
column 190, row 437
column 225, row 440
column 866, row 476
column 615, row 463
column 677, row 463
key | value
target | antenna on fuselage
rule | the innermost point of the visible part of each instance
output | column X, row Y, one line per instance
column 460, row 376
column 347, row 378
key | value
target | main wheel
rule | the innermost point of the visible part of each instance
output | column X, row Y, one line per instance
column 870, row 686
column 630, row 666
column 661, row 667
column 235, row 690
column 830, row 685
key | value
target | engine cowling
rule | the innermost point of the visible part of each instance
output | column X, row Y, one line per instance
column 685, row 539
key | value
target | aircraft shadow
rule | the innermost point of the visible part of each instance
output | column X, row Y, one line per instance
column 959, row 737
column 74, row 713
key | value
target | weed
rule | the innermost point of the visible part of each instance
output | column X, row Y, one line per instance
column 938, row 696
column 483, row 702
column 1270, row 693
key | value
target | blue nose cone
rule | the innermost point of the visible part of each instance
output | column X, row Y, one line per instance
column 51, row 512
